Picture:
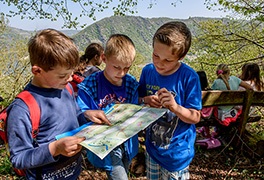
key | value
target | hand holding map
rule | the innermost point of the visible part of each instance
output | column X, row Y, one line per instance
column 126, row 119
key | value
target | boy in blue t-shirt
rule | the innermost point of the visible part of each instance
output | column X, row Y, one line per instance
column 99, row 91
column 53, row 57
column 171, row 84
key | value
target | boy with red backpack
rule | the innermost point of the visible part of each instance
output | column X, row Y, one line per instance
column 53, row 57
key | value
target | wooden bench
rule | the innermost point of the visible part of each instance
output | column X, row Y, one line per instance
column 246, row 99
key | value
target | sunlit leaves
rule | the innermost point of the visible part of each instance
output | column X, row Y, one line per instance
column 233, row 42
column 14, row 67
column 55, row 9
column 248, row 8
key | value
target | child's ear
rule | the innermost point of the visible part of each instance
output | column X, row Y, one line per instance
column 36, row 70
column 103, row 57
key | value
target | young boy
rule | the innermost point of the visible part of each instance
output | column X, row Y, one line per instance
column 53, row 57
column 101, row 90
column 171, row 84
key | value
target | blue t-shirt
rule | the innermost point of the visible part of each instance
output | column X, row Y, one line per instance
column 59, row 113
column 110, row 94
column 170, row 141
column 96, row 92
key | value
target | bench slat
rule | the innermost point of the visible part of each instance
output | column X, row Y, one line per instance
column 216, row 98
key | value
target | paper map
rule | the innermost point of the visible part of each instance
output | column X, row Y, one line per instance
column 126, row 119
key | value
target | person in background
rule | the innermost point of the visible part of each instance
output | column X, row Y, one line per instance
column 89, row 62
column 101, row 90
column 251, row 75
column 92, row 58
column 170, row 83
column 53, row 57
column 225, row 81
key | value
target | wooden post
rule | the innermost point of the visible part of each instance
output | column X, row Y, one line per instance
column 245, row 111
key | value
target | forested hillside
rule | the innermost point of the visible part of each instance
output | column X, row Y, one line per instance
column 139, row 29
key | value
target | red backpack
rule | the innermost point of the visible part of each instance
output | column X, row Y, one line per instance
column 76, row 79
column 34, row 111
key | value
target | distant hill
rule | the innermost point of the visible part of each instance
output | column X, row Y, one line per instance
column 10, row 35
column 139, row 29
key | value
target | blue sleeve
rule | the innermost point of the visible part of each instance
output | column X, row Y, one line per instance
column 22, row 152
column 85, row 101
column 135, row 98
column 81, row 119
column 193, row 95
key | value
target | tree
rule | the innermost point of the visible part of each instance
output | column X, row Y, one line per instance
column 249, row 9
column 55, row 9
column 231, row 41
column 14, row 64
column 3, row 23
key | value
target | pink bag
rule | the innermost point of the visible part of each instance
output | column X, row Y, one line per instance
column 207, row 112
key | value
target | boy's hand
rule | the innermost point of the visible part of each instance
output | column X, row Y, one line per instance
column 153, row 101
column 68, row 146
column 97, row 116
column 166, row 99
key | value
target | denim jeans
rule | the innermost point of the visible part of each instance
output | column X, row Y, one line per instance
column 120, row 164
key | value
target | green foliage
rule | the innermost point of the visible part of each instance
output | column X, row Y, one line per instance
column 228, row 41
column 139, row 29
column 5, row 164
column 57, row 9
column 3, row 23
column 14, row 69
column 249, row 9
column 137, row 66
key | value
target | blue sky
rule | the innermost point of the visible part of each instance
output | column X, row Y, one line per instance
column 163, row 8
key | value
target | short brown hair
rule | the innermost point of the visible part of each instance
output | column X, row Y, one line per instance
column 175, row 34
column 49, row 48
column 121, row 46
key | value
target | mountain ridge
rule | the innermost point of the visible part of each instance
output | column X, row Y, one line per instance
column 138, row 28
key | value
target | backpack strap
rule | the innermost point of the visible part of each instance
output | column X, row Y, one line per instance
column 69, row 88
column 34, row 110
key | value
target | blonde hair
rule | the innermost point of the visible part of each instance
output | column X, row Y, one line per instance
column 50, row 48
column 223, row 72
column 120, row 46
column 176, row 35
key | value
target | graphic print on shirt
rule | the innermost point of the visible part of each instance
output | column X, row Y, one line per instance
column 151, row 89
column 62, row 172
column 163, row 130
column 109, row 100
